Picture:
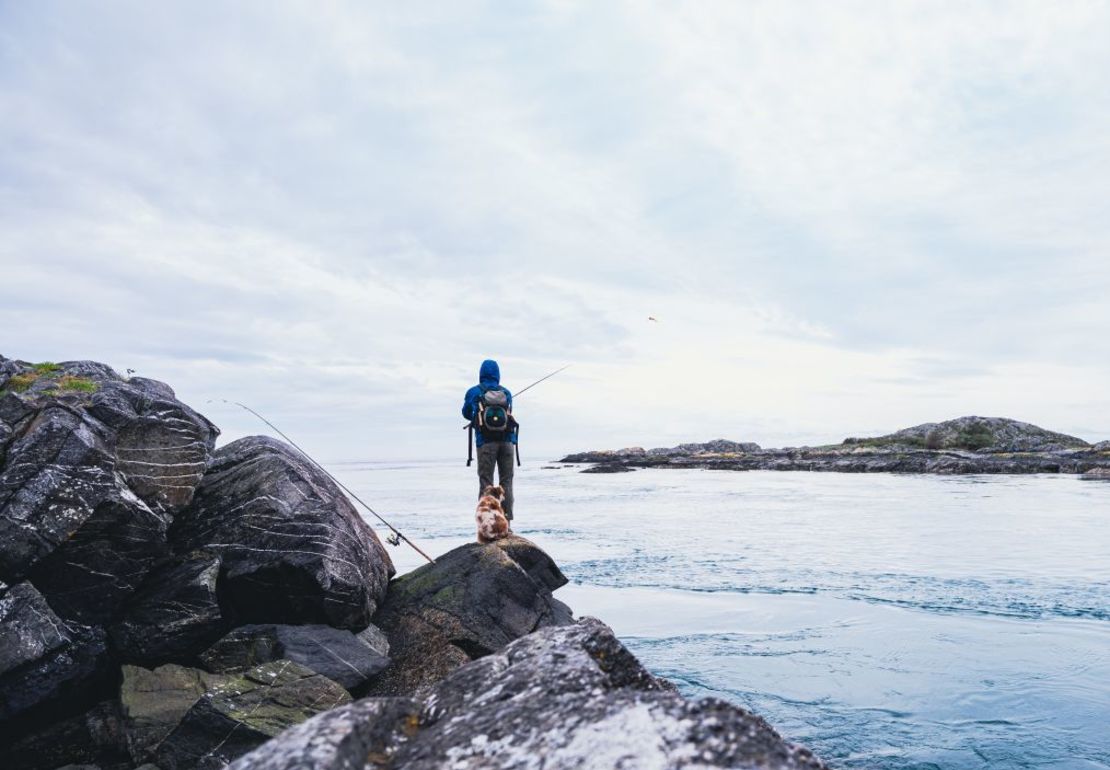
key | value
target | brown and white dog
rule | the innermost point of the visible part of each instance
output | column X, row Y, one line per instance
column 492, row 524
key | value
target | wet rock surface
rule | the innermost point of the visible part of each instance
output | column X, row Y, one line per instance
column 962, row 446
column 293, row 549
column 174, row 615
column 472, row 601
column 336, row 653
column 563, row 697
column 42, row 657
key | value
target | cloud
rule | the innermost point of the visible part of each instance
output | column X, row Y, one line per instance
column 846, row 216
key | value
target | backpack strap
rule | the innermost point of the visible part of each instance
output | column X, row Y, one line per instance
column 469, row 444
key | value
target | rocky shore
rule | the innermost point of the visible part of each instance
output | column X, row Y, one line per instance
column 168, row 605
column 961, row 446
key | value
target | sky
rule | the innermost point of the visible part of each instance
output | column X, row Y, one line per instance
column 847, row 218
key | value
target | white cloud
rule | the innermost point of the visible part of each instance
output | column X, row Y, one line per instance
column 847, row 216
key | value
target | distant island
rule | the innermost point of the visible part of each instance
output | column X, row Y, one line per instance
column 961, row 446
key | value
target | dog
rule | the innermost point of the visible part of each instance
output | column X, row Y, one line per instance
column 492, row 524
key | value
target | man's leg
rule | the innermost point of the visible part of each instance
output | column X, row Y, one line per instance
column 505, row 475
column 487, row 460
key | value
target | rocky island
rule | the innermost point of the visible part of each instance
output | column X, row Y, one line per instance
column 168, row 605
column 964, row 445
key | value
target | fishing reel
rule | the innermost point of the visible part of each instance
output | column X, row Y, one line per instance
column 393, row 538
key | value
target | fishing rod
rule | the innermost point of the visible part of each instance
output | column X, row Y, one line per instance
column 398, row 535
column 534, row 384
column 541, row 379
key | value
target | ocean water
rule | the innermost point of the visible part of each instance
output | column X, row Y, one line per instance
column 884, row 621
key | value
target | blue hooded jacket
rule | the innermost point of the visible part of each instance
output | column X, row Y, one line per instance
column 489, row 377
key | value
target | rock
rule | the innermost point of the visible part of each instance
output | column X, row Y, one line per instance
column 43, row 658
column 996, row 433
column 93, row 469
column 562, row 697
column 175, row 614
column 375, row 639
column 1098, row 474
column 29, row 629
column 153, row 702
column 472, row 601
column 362, row 734
column 293, row 548
column 96, row 736
column 961, row 446
column 68, row 520
column 240, row 712
column 608, row 468
column 162, row 446
column 336, row 653
column 717, row 446
column 1102, row 446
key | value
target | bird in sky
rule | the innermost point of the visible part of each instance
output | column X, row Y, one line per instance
column 653, row 318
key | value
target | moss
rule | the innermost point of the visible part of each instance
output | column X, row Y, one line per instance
column 975, row 436
column 874, row 443
column 79, row 384
column 21, row 382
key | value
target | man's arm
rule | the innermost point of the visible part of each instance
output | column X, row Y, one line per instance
column 470, row 402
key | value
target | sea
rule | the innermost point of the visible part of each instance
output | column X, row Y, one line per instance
column 882, row 620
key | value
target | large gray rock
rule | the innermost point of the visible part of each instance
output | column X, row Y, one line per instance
column 336, row 653
column 294, row 550
column 180, row 717
column 44, row 659
column 363, row 734
column 69, row 522
column 93, row 469
column 563, row 697
column 162, row 446
column 174, row 615
column 472, row 601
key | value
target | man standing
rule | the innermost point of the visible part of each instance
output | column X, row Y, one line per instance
column 489, row 406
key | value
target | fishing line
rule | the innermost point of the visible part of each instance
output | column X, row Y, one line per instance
column 397, row 534
column 541, row 379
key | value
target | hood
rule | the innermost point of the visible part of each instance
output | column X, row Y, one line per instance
column 490, row 374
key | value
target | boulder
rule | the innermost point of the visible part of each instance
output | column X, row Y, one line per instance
column 179, row 717
column 69, row 522
column 162, row 446
column 293, row 549
column 1097, row 474
column 562, row 697
column 93, row 469
column 362, row 734
column 472, row 601
column 238, row 713
column 174, row 615
column 153, row 703
column 95, row 736
column 336, row 653
column 44, row 659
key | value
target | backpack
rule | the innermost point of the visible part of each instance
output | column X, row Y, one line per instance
column 494, row 418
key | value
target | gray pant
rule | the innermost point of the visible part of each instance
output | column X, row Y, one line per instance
column 499, row 453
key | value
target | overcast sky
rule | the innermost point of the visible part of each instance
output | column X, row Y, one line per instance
column 846, row 217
